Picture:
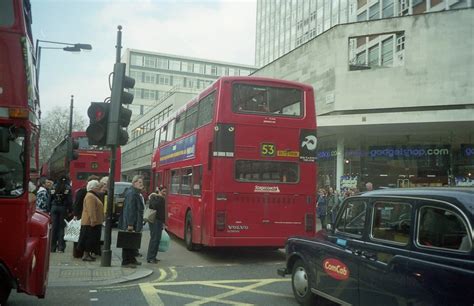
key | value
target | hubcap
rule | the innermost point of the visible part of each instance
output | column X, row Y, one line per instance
column 300, row 281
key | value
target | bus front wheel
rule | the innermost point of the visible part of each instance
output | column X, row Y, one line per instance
column 5, row 290
column 188, row 232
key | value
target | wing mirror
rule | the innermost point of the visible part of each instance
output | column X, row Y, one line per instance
column 329, row 227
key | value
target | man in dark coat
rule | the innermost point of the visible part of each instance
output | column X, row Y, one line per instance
column 156, row 202
column 131, row 218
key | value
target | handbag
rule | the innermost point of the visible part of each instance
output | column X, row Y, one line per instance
column 149, row 215
column 129, row 240
column 164, row 242
column 72, row 230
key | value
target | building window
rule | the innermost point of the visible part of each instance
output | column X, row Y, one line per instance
column 374, row 11
column 387, row 52
column 136, row 60
column 403, row 7
column 362, row 16
column 150, row 61
column 150, row 77
column 387, row 9
column 361, row 58
column 186, row 67
column 175, row 65
column 164, row 79
column 162, row 63
column 374, row 56
column 400, row 42
column 198, row 68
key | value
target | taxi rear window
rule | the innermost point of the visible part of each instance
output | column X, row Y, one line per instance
column 443, row 229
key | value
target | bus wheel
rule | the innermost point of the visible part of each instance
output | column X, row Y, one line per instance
column 5, row 290
column 188, row 232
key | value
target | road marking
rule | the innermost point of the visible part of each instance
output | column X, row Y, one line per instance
column 174, row 274
column 94, row 299
column 196, row 297
column 92, row 291
column 150, row 295
column 218, row 298
column 151, row 291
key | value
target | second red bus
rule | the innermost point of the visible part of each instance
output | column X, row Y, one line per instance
column 239, row 164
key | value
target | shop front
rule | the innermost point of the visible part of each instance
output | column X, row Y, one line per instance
column 396, row 161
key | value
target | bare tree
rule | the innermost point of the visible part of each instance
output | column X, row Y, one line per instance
column 55, row 127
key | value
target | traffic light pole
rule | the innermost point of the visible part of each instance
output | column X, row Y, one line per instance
column 106, row 258
column 69, row 141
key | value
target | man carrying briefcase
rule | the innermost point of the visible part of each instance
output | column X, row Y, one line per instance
column 131, row 218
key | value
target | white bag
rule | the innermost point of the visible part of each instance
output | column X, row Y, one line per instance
column 72, row 230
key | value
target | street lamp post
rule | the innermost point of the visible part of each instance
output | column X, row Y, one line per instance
column 70, row 47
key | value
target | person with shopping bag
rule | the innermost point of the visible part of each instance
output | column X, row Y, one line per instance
column 157, row 203
column 91, row 221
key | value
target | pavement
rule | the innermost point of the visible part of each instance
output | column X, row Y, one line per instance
column 65, row 270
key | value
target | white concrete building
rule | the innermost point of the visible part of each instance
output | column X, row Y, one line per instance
column 394, row 98
column 283, row 25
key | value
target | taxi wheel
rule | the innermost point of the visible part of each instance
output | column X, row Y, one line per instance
column 301, row 284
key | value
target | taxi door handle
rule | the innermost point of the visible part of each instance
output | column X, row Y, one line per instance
column 369, row 255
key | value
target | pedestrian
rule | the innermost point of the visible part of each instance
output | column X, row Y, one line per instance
column 91, row 221
column 322, row 207
column 156, row 202
column 131, row 218
column 369, row 186
column 332, row 204
column 61, row 203
column 42, row 196
column 79, row 199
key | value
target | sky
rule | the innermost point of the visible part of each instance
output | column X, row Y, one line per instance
column 222, row 30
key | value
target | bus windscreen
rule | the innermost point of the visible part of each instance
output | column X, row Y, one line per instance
column 266, row 100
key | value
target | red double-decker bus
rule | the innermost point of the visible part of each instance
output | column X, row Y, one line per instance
column 88, row 160
column 24, row 238
column 239, row 164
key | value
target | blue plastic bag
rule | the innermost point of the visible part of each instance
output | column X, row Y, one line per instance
column 164, row 242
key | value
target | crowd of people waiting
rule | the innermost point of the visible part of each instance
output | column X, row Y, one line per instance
column 329, row 201
column 89, row 207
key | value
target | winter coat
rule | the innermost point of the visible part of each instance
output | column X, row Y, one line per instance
column 157, row 202
column 322, row 206
column 93, row 212
column 42, row 199
column 132, row 213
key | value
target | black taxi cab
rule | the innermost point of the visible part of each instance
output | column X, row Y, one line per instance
column 390, row 247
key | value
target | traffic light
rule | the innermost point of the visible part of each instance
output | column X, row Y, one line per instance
column 74, row 146
column 98, row 114
column 119, row 116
